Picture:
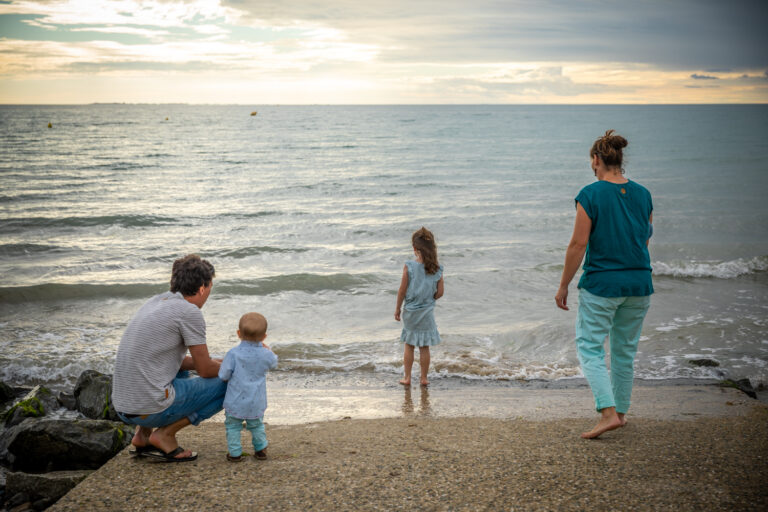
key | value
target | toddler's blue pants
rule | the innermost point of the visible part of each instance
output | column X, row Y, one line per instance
column 620, row 318
column 235, row 425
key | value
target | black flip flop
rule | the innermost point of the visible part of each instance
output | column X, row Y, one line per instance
column 140, row 451
column 170, row 456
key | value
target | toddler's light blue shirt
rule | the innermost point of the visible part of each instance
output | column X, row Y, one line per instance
column 245, row 368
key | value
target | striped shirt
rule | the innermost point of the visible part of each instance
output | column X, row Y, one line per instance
column 151, row 352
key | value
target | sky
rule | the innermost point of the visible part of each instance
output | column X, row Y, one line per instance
column 257, row 52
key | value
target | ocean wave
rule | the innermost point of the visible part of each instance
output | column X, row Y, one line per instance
column 476, row 366
column 253, row 215
column 308, row 283
column 14, row 250
column 58, row 377
column 244, row 252
column 24, row 197
column 18, row 224
column 117, row 165
column 369, row 357
column 319, row 358
column 61, row 291
column 720, row 270
column 235, row 253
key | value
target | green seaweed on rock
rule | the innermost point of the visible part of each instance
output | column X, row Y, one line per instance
column 32, row 407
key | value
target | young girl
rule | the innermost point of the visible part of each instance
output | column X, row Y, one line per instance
column 421, row 285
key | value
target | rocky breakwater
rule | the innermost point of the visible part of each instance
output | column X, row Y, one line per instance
column 48, row 443
column 742, row 384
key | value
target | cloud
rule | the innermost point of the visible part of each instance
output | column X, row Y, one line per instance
column 693, row 34
column 158, row 14
column 55, row 57
column 400, row 51
column 754, row 79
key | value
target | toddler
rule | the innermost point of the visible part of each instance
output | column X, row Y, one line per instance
column 245, row 368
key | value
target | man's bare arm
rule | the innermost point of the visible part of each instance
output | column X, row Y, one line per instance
column 202, row 362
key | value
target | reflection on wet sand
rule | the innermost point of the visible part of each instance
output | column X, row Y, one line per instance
column 425, row 407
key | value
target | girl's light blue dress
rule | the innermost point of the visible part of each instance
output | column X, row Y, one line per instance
column 419, row 328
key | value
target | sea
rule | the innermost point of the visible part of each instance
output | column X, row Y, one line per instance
column 306, row 212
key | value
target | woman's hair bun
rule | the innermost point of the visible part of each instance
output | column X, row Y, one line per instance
column 615, row 141
column 608, row 148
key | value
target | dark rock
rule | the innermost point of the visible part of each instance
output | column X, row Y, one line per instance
column 16, row 500
column 50, row 486
column 703, row 362
column 93, row 395
column 742, row 385
column 43, row 503
column 6, row 392
column 24, row 507
column 67, row 400
column 34, row 404
column 746, row 387
column 57, row 444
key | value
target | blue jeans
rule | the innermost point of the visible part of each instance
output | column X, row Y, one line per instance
column 235, row 425
column 622, row 319
column 196, row 399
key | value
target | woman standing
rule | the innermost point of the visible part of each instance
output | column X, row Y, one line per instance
column 613, row 226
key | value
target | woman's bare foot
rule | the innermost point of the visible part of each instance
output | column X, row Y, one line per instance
column 605, row 424
column 405, row 382
column 166, row 443
column 622, row 419
column 424, row 382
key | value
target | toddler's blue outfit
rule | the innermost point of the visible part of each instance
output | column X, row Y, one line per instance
column 245, row 367
column 419, row 328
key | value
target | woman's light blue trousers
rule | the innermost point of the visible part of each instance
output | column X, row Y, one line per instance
column 620, row 318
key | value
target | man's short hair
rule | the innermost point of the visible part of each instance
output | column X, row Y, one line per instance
column 190, row 273
column 252, row 326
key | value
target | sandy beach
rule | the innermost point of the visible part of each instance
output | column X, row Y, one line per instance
column 685, row 448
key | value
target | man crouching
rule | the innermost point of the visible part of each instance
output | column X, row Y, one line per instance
column 151, row 387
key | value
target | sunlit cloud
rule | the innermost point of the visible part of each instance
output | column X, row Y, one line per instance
column 120, row 12
column 384, row 51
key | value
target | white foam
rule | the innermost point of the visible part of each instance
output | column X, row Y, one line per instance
column 716, row 269
column 678, row 323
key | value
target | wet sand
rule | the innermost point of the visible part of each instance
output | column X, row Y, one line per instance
column 685, row 448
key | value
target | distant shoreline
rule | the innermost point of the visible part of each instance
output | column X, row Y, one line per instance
column 578, row 105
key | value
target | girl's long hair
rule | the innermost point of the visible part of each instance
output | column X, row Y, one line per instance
column 424, row 241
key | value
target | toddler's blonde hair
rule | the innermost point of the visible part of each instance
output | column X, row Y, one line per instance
column 253, row 326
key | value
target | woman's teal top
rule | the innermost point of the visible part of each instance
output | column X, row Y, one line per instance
column 617, row 263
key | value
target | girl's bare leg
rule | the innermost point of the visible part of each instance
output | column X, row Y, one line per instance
column 424, row 364
column 407, row 364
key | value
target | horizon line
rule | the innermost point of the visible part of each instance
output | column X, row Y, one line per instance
column 378, row 104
